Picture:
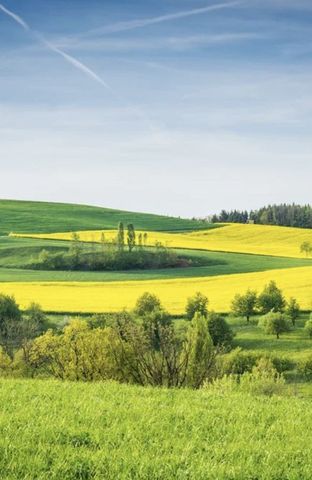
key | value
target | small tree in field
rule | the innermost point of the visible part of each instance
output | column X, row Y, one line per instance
column 308, row 327
column 245, row 305
column 131, row 237
column 10, row 323
column 271, row 299
column 306, row 248
column 200, row 352
column 275, row 323
column 196, row 304
column 121, row 236
column 76, row 247
column 292, row 310
column 146, row 303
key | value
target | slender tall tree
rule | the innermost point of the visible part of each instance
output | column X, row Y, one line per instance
column 121, row 236
column 131, row 237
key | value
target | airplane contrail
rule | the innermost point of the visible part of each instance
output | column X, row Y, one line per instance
column 68, row 58
column 76, row 63
column 15, row 17
column 140, row 23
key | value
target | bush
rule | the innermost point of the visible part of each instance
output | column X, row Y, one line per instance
column 263, row 379
column 282, row 364
column 308, row 327
column 220, row 331
column 305, row 367
column 236, row 362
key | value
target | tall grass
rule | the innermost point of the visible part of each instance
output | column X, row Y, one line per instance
column 54, row 431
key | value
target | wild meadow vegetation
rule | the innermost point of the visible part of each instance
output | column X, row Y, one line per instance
column 163, row 348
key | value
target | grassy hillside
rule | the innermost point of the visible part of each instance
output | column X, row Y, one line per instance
column 253, row 239
column 16, row 253
column 24, row 216
column 294, row 344
column 51, row 431
column 114, row 296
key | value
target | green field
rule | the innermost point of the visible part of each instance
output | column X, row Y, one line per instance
column 51, row 430
column 16, row 254
column 44, row 217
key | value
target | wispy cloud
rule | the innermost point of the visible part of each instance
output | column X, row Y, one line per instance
column 144, row 22
column 155, row 43
column 69, row 58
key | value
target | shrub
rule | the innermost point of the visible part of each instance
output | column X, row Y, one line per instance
column 308, row 327
column 305, row 367
column 263, row 379
column 282, row 364
column 220, row 331
column 236, row 362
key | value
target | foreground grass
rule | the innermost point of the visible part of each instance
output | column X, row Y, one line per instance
column 52, row 430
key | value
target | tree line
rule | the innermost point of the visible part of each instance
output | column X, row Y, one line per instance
column 288, row 215
column 127, row 251
column 143, row 346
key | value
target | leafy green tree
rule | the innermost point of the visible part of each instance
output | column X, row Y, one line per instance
column 140, row 240
column 121, row 236
column 201, row 355
column 245, row 305
column 274, row 323
column 196, row 304
column 78, row 353
column 145, row 235
column 76, row 248
column 308, row 326
column 219, row 330
column 130, row 237
column 271, row 299
column 153, row 322
column 10, row 323
column 292, row 310
column 146, row 303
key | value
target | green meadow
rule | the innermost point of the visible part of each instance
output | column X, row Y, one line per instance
column 44, row 217
column 17, row 255
column 52, row 430
column 81, row 430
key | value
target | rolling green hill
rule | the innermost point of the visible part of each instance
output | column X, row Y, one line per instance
column 43, row 217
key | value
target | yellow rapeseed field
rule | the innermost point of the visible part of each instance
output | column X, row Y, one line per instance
column 114, row 296
column 256, row 239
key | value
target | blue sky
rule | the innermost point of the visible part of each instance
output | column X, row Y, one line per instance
column 177, row 107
